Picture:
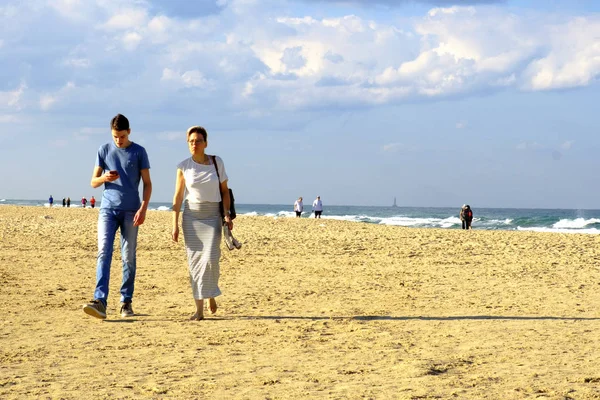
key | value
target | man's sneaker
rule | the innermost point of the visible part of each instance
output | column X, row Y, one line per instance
column 235, row 242
column 96, row 309
column 227, row 236
column 126, row 310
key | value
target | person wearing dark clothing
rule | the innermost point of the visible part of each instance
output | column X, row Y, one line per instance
column 64, row 202
column 68, row 202
column 466, row 216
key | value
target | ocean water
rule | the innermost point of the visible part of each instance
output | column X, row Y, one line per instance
column 541, row 220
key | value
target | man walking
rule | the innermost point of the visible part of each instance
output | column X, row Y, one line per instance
column 119, row 167
column 317, row 207
column 298, row 207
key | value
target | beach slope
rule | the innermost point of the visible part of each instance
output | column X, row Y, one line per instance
column 310, row 308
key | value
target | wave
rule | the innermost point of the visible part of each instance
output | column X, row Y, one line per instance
column 578, row 223
column 590, row 231
column 1, row 200
column 422, row 222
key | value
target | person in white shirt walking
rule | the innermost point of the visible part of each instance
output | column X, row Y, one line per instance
column 298, row 207
column 317, row 207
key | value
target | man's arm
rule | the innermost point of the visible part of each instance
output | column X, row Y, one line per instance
column 140, row 216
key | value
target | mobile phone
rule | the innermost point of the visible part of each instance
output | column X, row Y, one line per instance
column 113, row 172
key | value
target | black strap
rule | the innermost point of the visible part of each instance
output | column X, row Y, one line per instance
column 214, row 159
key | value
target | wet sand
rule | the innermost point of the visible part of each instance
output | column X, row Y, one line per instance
column 310, row 309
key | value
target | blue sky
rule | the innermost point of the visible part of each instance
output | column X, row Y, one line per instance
column 437, row 103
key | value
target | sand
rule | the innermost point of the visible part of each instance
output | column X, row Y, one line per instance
column 310, row 309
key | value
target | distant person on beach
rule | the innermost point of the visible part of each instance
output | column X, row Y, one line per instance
column 64, row 202
column 83, row 202
column 93, row 202
column 466, row 216
column 68, row 202
column 51, row 200
column 317, row 207
column 298, row 207
column 202, row 223
column 120, row 165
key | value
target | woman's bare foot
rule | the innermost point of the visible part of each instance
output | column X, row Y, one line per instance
column 197, row 317
column 212, row 305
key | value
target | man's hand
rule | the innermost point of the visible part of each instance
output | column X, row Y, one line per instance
column 175, row 233
column 140, row 217
column 111, row 176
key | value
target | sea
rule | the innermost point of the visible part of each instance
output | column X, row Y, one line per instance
column 509, row 219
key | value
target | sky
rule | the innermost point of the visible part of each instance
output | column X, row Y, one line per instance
column 435, row 103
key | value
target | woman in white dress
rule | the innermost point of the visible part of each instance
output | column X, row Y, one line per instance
column 202, row 221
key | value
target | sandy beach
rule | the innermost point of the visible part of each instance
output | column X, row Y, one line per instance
column 310, row 309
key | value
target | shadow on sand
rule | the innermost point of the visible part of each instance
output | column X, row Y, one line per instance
column 419, row 318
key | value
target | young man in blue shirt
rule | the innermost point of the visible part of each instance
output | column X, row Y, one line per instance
column 120, row 165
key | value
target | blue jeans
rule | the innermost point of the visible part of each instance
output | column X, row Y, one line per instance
column 109, row 221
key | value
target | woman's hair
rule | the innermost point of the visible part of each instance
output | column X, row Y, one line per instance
column 197, row 129
column 119, row 123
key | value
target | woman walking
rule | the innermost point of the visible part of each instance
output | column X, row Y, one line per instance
column 202, row 221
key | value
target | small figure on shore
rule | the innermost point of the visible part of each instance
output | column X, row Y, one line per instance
column 298, row 207
column 120, row 209
column 93, row 202
column 64, row 202
column 317, row 207
column 68, row 202
column 466, row 216
column 51, row 200
column 83, row 202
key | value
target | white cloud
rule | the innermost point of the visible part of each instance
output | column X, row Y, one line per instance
column 48, row 100
column 188, row 79
column 286, row 61
column 86, row 132
column 13, row 98
column 58, row 143
column 567, row 145
column 529, row 146
column 8, row 119
column 75, row 10
column 171, row 136
column 396, row 147
column 127, row 19
column 131, row 40
column 461, row 124
column 573, row 58
column 77, row 62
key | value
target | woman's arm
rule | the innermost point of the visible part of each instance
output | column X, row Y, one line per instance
column 177, row 201
column 226, row 203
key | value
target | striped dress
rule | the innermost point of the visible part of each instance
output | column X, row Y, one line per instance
column 202, row 229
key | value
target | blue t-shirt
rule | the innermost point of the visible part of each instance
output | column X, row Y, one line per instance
column 122, row 194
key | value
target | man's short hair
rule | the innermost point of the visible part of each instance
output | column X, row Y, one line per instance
column 197, row 129
column 119, row 123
